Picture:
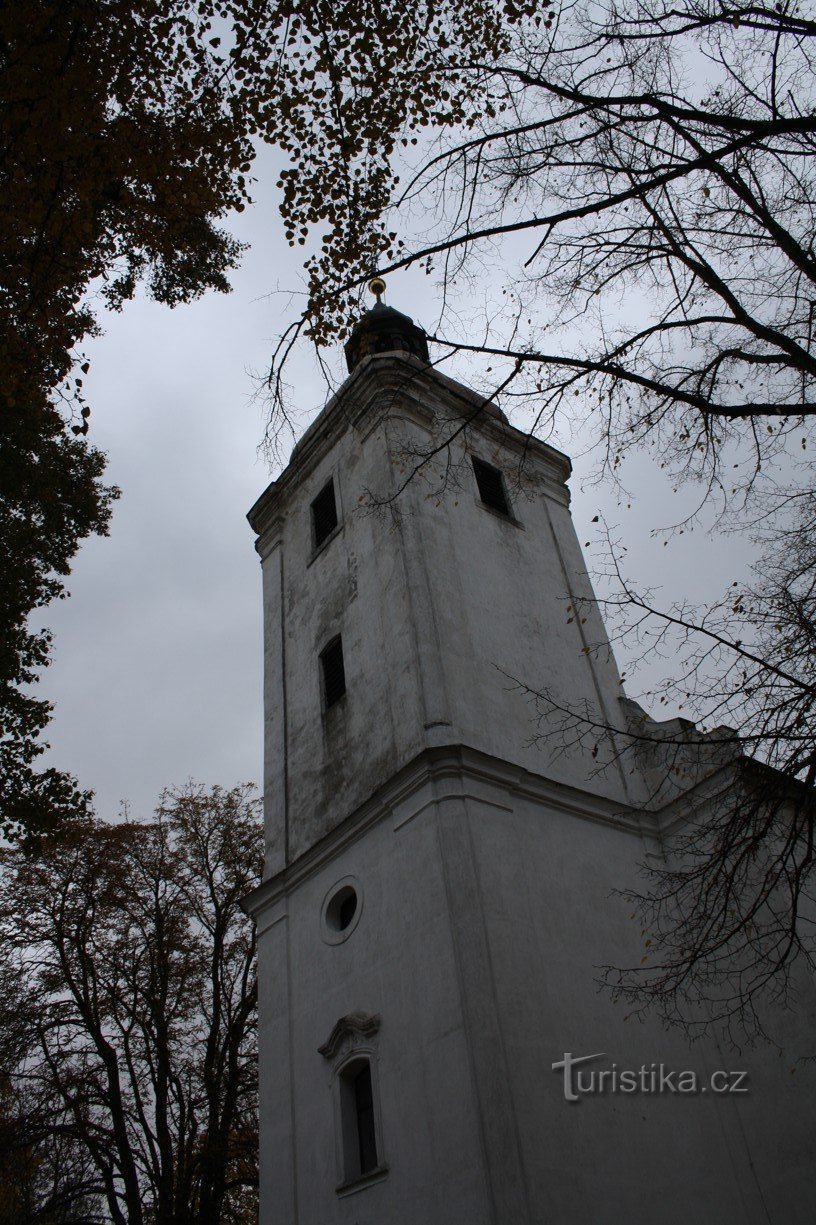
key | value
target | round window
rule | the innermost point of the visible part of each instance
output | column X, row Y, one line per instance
column 341, row 909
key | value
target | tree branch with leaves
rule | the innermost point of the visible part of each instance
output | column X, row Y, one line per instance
column 128, row 1015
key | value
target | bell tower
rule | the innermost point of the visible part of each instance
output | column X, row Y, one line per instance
column 437, row 891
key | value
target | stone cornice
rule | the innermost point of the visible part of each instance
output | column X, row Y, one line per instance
column 436, row 776
column 350, row 1030
column 413, row 381
column 700, row 795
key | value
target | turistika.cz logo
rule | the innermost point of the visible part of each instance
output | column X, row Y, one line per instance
column 581, row 1081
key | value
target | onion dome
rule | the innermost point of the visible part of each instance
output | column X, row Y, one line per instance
column 384, row 330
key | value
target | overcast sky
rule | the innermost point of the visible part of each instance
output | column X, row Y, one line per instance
column 156, row 673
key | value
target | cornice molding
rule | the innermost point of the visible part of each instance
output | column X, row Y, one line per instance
column 413, row 382
column 454, row 772
column 349, row 1032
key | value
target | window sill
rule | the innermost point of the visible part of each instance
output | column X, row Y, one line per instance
column 498, row 514
column 324, row 544
column 352, row 1185
column 329, row 711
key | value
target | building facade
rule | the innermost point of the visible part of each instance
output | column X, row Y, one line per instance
column 440, row 868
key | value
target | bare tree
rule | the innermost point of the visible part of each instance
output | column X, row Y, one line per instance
column 128, row 1009
column 727, row 915
column 47, row 1177
column 655, row 166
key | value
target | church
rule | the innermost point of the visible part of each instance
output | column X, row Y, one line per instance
column 439, row 885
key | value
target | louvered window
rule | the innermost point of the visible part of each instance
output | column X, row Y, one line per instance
column 324, row 514
column 334, row 674
column 491, row 486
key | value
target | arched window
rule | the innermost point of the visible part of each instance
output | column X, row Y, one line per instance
column 351, row 1049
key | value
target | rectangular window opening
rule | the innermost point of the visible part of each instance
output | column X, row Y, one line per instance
column 334, row 673
column 490, row 483
column 324, row 514
column 364, row 1110
column 361, row 1152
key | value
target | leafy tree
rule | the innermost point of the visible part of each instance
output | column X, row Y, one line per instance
column 50, row 498
column 125, row 135
column 46, row 1177
column 128, row 1010
column 652, row 163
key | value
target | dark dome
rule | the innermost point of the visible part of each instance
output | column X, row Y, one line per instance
column 385, row 330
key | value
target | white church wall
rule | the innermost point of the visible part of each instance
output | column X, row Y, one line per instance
column 433, row 602
column 504, row 605
column 485, row 913
column 546, row 895
column 320, row 763
column 485, row 868
column 398, row 964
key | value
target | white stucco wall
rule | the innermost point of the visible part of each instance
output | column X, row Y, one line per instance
column 485, row 866
column 485, row 911
column 439, row 602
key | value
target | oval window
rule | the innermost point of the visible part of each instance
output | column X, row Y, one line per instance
column 340, row 912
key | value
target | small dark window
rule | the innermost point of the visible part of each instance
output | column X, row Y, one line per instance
column 324, row 514
column 491, row 486
column 341, row 909
column 364, row 1110
column 334, row 674
column 347, row 910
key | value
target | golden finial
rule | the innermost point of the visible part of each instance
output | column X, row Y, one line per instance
column 377, row 287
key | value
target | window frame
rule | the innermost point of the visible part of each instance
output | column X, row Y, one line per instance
column 507, row 515
column 319, row 546
column 326, row 705
column 338, row 935
column 352, row 1041
column 352, row 1178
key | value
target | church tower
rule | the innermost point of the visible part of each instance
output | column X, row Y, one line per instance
column 437, row 892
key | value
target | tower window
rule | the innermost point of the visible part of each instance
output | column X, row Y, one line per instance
column 341, row 910
column 351, row 1050
column 334, row 673
column 364, row 1110
column 490, row 483
column 358, row 1118
column 324, row 514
